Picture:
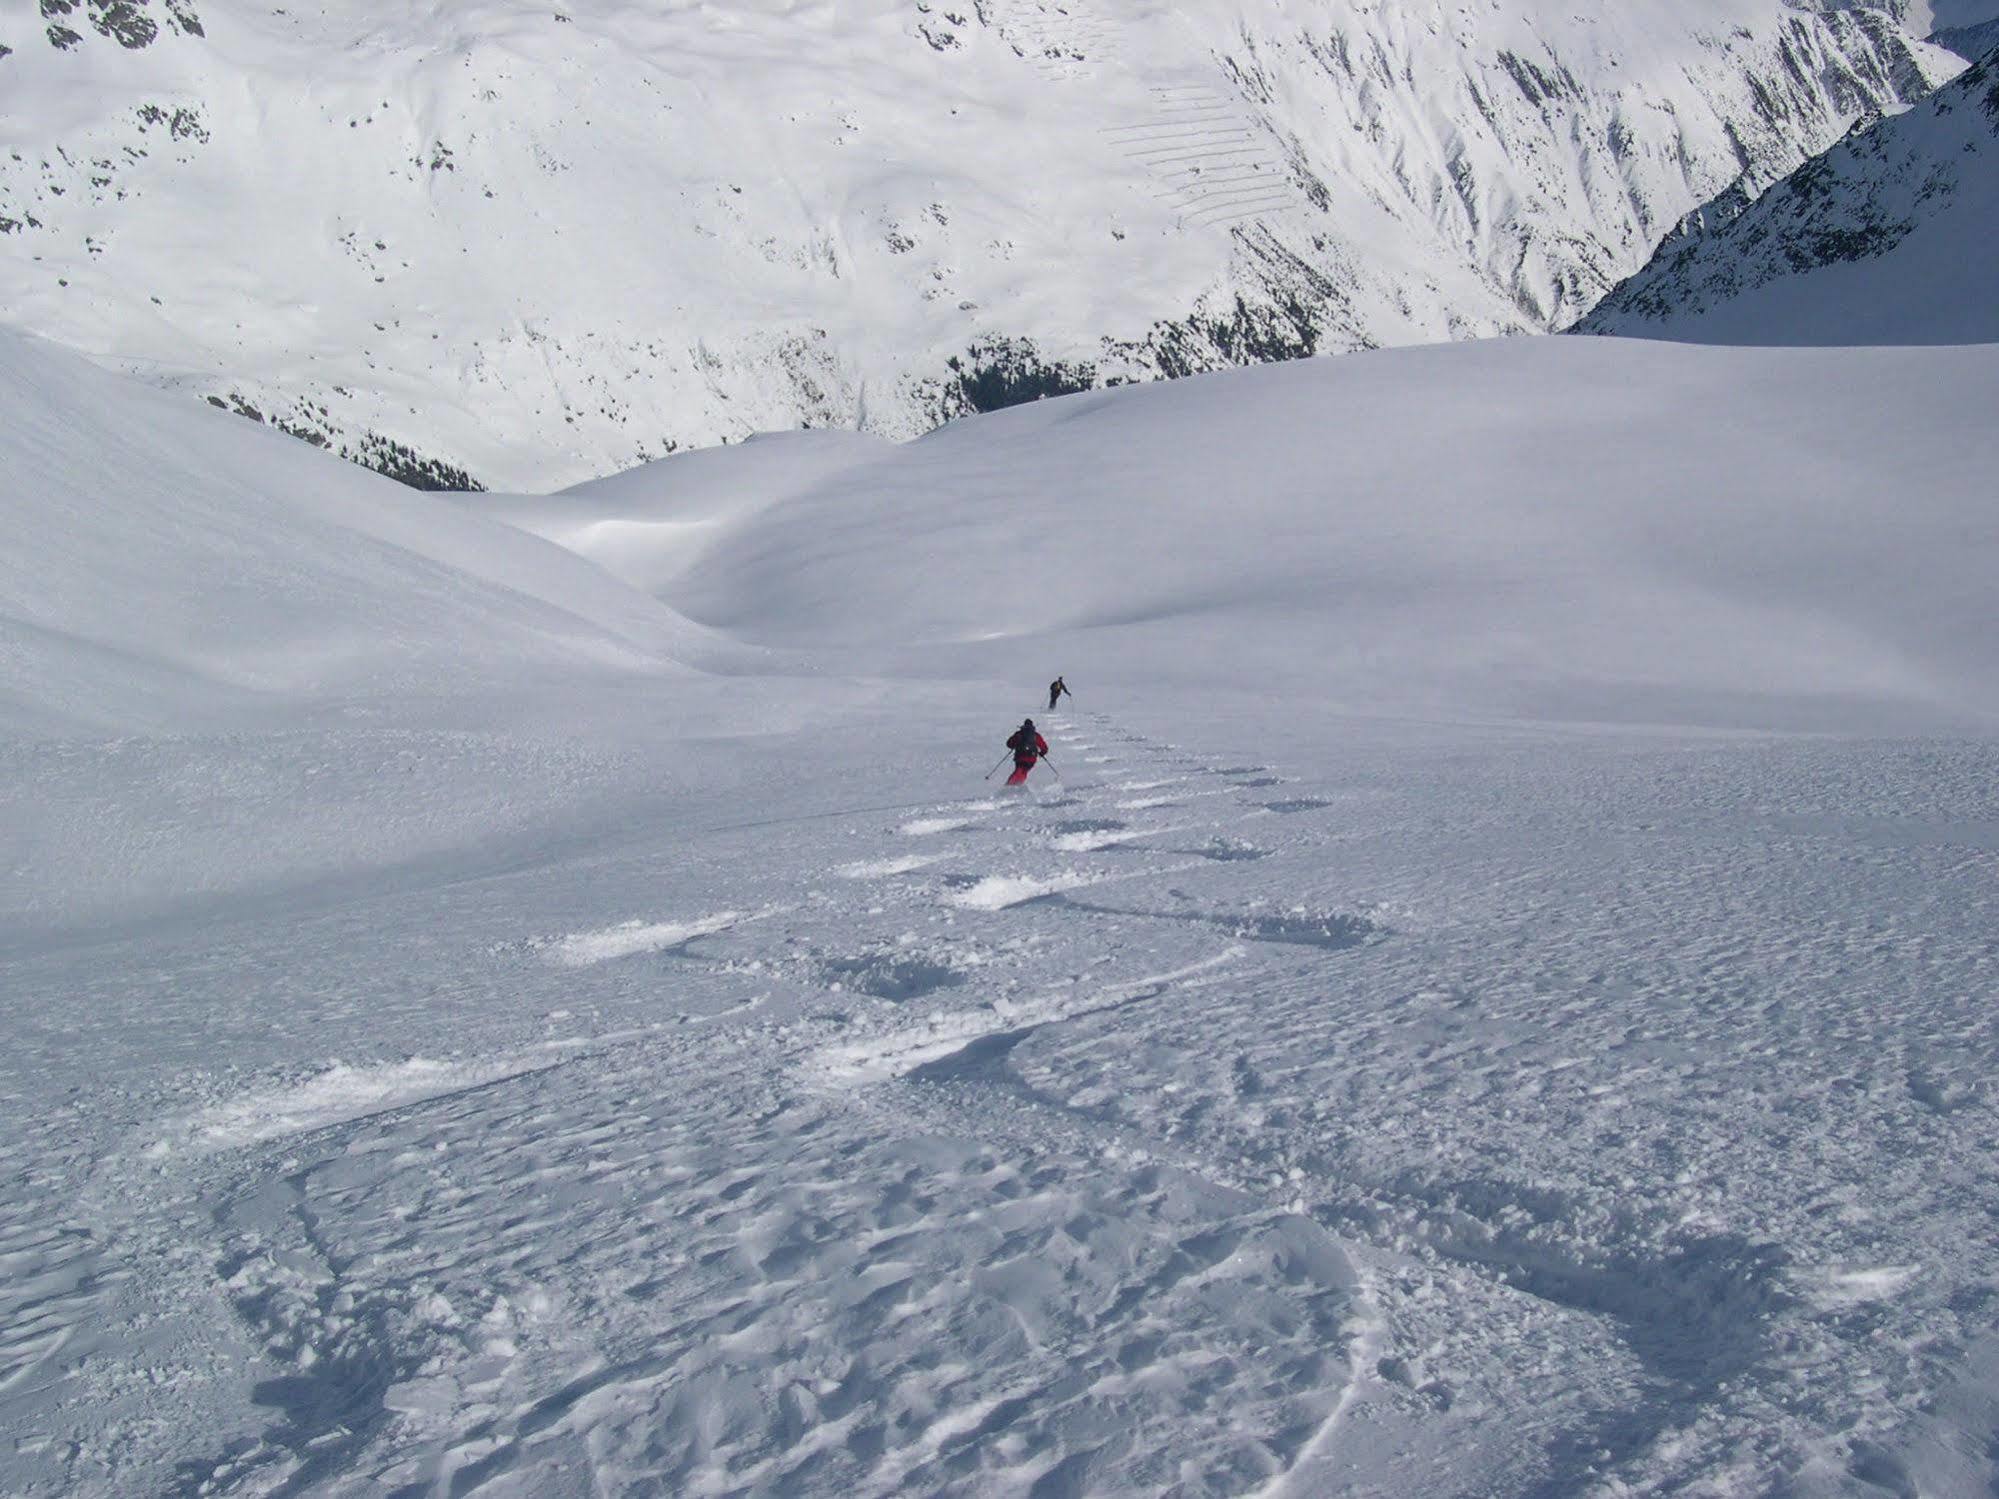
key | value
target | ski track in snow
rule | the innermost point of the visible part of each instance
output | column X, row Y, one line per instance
column 910, row 1275
column 924, row 827
column 960, row 1033
column 1086, row 1181
column 336, row 1095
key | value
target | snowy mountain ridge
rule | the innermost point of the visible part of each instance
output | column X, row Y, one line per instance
column 522, row 247
column 1886, row 238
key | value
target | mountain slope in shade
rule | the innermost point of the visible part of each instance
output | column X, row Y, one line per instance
column 1969, row 42
column 1885, row 239
column 522, row 246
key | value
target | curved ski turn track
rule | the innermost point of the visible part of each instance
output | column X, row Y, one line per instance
column 1183, row 1126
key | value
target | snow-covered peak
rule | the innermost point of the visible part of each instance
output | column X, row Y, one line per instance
column 522, row 246
column 1886, row 238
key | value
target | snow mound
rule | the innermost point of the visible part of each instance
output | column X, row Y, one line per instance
column 584, row 949
column 996, row 892
column 875, row 869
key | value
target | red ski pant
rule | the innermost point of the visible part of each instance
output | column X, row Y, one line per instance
column 1020, row 770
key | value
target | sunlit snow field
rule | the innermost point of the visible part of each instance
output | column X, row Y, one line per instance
column 1500, row 999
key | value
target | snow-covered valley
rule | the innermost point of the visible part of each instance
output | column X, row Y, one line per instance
column 530, row 994
column 526, row 245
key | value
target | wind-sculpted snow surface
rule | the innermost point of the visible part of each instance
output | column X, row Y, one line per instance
column 1524, row 1120
column 1885, row 239
column 526, row 244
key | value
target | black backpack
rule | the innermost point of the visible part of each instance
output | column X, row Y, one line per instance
column 1022, row 742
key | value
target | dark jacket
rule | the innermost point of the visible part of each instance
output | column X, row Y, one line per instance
column 1026, row 746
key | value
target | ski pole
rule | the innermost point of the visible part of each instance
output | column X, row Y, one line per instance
column 1051, row 765
column 995, row 770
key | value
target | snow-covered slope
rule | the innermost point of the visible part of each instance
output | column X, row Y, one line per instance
column 524, row 245
column 1885, row 239
column 450, row 1050
column 1520, row 526
column 168, row 568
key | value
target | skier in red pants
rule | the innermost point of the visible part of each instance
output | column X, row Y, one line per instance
column 1027, row 746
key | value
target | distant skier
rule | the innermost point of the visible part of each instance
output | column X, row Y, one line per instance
column 1055, row 689
column 1028, row 746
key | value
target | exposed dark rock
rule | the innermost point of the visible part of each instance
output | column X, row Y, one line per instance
column 1540, row 85
column 999, row 372
column 1295, row 309
column 182, row 123
column 124, row 22
column 404, row 464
